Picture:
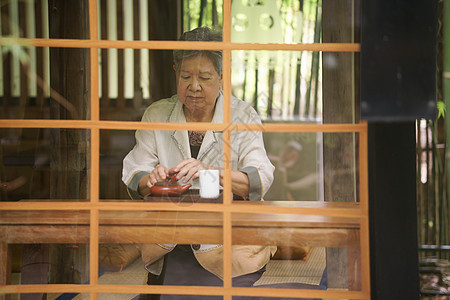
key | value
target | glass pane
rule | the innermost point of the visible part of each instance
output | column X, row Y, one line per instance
column 293, row 86
column 298, row 174
column 39, row 19
column 157, row 247
column 158, row 152
column 45, row 247
column 293, row 167
column 311, row 21
column 298, row 251
column 44, row 163
column 155, row 20
column 114, row 146
column 44, row 83
column 202, row 13
column 130, row 80
column 173, row 150
column 121, row 264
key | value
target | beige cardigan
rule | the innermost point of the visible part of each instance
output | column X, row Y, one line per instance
column 168, row 147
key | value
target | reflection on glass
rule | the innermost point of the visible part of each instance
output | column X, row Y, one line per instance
column 54, row 249
column 42, row 83
column 298, row 174
column 44, row 163
column 313, row 166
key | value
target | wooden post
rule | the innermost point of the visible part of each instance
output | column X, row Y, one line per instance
column 69, row 76
column 5, row 270
column 7, row 90
column 338, row 107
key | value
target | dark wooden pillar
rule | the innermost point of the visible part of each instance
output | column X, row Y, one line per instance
column 69, row 77
column 393, row 225
column 69, row 82
column 398, row 86
column 163, row 25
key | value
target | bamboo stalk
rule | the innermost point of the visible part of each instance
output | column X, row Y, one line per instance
column 446, row 92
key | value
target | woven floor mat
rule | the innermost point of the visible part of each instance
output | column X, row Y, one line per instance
column 296, row 271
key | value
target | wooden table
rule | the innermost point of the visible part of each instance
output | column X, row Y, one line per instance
column 187, row 227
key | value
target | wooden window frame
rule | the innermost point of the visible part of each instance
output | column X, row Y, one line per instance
column 94, row 124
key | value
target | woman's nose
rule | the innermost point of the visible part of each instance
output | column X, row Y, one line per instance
column 195, row 85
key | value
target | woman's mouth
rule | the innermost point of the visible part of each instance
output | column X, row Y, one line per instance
column 195, row 98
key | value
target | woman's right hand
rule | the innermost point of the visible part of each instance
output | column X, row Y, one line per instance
column 159, row 173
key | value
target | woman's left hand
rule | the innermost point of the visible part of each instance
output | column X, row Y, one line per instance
column 189, row 169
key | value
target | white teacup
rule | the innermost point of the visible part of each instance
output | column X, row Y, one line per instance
column 209, row 183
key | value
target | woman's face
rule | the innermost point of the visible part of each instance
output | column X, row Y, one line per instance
column 198, row 85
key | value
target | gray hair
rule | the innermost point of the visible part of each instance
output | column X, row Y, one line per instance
column 200, row 34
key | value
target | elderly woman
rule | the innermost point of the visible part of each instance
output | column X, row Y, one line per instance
column 159, row 154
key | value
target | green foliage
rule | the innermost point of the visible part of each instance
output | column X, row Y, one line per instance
column 442, row 109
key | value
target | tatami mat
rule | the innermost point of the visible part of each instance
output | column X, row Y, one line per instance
column 296, row 271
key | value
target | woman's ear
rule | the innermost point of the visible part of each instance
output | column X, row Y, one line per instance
column 174, row 68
